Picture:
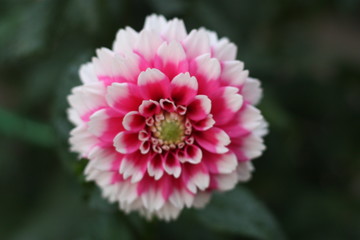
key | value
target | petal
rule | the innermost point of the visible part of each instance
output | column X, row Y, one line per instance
column 226, row 104
column 174, row 30
column 105, row 125
column 123, row 97
column 191, row 154
column 155, row 167
column 220, row 163
column 87, row 73
column 126, row 142
column 233, row 73
column 204, row 124
column 196, row 43
column 153, row 84
column 87, row 99
column 125, row 40
column 156, row 23
column 171, row 59
column 82, row 141
column 207, row 71
column 244, row 170
column 224, row 50
column 226, row 182
column 183, row 88
column 171, row 164
column 104, row 159
column 147, row 44
column 196, row 176
column 199, row 108
column 133, row 121
column 214, row 140
column 252, row 91
column 149, row 108
column 167, row 105
column 134, row 165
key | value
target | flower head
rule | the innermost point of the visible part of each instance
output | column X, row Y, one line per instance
column 165, row 118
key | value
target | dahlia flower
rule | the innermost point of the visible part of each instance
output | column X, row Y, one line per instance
column 165, row 118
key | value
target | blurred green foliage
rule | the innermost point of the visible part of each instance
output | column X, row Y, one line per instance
column 307, row 54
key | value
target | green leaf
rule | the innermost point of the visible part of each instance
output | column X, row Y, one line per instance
column 238, row 212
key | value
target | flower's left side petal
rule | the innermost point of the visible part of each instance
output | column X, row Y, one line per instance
column 127, row 142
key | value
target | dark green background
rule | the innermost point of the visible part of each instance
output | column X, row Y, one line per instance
column 307, row 54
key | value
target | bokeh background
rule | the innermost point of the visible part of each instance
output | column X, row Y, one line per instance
column 307, row 183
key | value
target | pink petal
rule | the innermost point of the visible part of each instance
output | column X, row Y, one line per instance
column 123, row 97
column 171, row 59
column 196, row 176
column 233, row 73
column 220, row 163
column 214, row 140
column 199, row 108
column 225, row 104
column 191, row 154
column 133, row 121
column 149, row 108
column 126, row 142
column 153, row 84
column 171, row 164
column 105, row 124
column 87, row 99
column 183, row 88
column 225, row 50
column 204, row 124
column 167, row 105
column 155, row 167
column 134, row 165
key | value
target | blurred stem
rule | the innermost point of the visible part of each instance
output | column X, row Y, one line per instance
column 19, row 127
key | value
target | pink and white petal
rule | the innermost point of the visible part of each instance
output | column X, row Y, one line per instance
column 127, row 142
column 220, row 163
column 204, row 124
column 82, row 141
column 175, row 30
column 201, row 199
column 154, row 84
column 133, row 121
column 149, row 108
column 199, row 108
column 196, row 43
column 196, row 176
column 191, row 154
column 105, row 159
column 171, row 59
column 147, row 44
column 226, row 182
column 244, row 171
column 134, row 165
column 212, row 36
column 167, row 105
column 87, row 99
column 233, row 73
column 168, row 212
column 156, row 23
column 183, row 88
column 171, row 164
column 253, row 146
column 226, row 104
column 125, row 40
column 105, row 125
column 87, row 73
column 103, row 62
column 123, row 97
column 252, row 91
column 207, row 71
column 214, row 140
column 152, row 200
column 224, row 50
column 125, row 69
column 250, row 118
column 155, row 167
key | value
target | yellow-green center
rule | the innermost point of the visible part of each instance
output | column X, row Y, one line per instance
column 171, row 131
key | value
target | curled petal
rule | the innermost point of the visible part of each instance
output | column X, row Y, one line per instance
column 123, row 97
column 214, row 140
column 191, row 154
column 204, row 124
column 149, row 108
column 153, row 84
column 183, row 88
column 133, row 121
column 199, row 108
column 127, row 142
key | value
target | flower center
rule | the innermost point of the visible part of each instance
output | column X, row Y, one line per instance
column 169, row 128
